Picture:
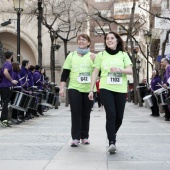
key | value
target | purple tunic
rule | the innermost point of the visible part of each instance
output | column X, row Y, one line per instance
column 154, row 82
column 30, row 79
column 37, row 76
column 167, row 73
column 5, row 82
column 24, row 76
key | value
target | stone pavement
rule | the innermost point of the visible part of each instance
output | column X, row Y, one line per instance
column 43, row 143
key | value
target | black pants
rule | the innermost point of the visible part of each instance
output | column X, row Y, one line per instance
column 5, row 97
column 114, row 104
column 99, row 100
column 80, row 114
column 155, row 107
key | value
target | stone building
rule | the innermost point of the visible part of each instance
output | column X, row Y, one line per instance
column 28, row 36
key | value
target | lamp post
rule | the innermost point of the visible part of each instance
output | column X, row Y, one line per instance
column 55, row 48
column 147, row 41
column 18, row 6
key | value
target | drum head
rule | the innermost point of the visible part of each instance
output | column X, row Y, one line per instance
column 147, row 97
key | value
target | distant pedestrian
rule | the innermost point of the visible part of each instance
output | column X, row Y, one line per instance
column 155, row 85
column 114, row 64
column 100, row 104
column 143, row 89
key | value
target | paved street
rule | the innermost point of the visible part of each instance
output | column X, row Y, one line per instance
column 43, row 143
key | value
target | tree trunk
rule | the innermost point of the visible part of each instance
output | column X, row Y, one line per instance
column 52, row 64
column 40, row 15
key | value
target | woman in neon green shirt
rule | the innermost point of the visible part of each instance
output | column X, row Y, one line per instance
column 114, row 64
column 78, row 66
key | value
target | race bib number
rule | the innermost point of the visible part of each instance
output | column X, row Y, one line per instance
column 84, row 78
column 114, row 78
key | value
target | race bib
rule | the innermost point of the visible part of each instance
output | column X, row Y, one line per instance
column 114, row 78
column 84, row 78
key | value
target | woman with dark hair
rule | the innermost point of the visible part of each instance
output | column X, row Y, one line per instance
column 114, row 64
column 37, row 76
column 155, row 85
column 78, row 66
column 16, row 76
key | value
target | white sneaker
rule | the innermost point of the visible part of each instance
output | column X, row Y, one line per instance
column 112, row 148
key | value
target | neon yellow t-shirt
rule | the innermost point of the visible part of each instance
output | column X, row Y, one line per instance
column 80, row 71
column 111, row 81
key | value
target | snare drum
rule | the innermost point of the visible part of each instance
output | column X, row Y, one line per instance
column 167, row 100
column 19, row 101
column 159, row 91
column 48, row 101
column 32, row 102
column 161, row 96
column 148, row 101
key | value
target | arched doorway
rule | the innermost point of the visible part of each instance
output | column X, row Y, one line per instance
column 9, row 42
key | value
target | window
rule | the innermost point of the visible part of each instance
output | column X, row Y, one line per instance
column 99, row 47
column 98, row 30
column 122, row 10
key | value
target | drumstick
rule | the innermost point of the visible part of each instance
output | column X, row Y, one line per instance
column 161, row 85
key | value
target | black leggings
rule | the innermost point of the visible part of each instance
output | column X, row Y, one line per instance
column 99, row 100
column 155, row 107
column 80, row 114
column 114, row 104
column 5, row 93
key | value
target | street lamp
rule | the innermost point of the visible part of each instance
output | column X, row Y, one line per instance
column 54, row 48
column 148, row 41
column 18, row 6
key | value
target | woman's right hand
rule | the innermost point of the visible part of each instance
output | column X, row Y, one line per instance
column 90, row 95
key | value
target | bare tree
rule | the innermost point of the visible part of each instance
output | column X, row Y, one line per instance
column 39, row 18
column 135, row 24
column 164, row 19
column 64, row 19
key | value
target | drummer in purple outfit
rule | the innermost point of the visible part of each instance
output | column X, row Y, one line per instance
column 17, row 87
column 5, row 87
column 155, row 85
column 24, row 73
column 37, row 76
column 165, row 64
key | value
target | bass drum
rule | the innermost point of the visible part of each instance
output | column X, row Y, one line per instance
column 19, row 101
